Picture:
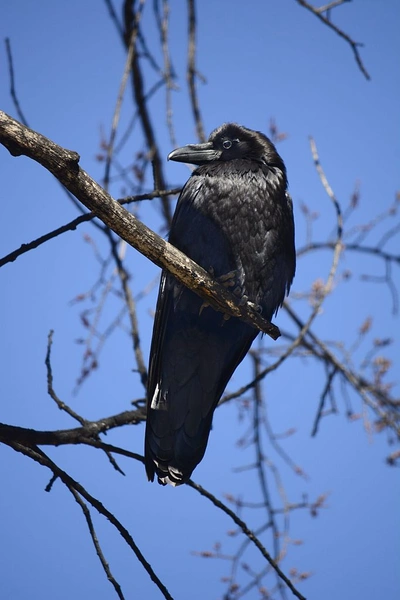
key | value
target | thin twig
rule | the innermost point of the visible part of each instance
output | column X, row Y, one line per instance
column 260, row 461
column 41, row 458
column 363, row 387
column 121, row 92
column 72, row 225
column 163, row 26
column 99, row 552
column 13, row 91
column 22, row 117
column 354, row 45
column 328, row 7
column 248, row 533
column 131, row 306
column 114, row 17
column 373, row 250
column 192, row 71
column 324, row 394
column 144, row 115
column 50, row 390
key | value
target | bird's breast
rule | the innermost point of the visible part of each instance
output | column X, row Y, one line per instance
column 243, row 203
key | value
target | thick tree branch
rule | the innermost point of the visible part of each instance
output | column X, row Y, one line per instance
column 130, row 23
column 77, row 435
column 64, row 165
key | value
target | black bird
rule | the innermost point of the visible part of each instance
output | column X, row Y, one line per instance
column 234, row 217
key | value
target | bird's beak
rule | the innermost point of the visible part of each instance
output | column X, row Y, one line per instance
column 196, row 154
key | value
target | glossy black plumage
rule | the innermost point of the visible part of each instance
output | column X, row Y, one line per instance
column 233, row 215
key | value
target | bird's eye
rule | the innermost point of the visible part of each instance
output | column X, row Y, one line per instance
column 226, row 144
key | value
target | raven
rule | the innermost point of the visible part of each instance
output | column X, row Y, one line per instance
column 234, row 217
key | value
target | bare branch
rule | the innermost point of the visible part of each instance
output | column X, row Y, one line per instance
column 354, row 45
column 192, row 71
column 321, row 406
column 72, row 225
column 121, row 92
column 373, row 250
column 371, row 395
column 163, row 26
column 41, row 458
column 63, row 164
column 80, row 435
column 50, row 390
column 248, row 533
column 144, row 115
column 131, row 306
column 328, row 7
column 260, row 460
column 95, row 540
column 13, row 91
column 114, row 17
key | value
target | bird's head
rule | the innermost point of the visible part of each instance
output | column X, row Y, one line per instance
column 229, row 142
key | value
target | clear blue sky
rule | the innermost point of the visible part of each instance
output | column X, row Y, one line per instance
column 261, row 60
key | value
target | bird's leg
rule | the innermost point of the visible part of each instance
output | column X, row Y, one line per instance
column 228, row 280
column 243, row 300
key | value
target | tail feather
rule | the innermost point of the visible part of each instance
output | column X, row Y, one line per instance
column 197, row 362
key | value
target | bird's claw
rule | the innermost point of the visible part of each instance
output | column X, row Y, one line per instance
column 227, row 280
column 202, row 307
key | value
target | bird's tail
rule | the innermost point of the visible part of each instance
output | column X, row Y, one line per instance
column 196, row 365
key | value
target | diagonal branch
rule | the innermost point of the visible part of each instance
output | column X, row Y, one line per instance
column 354, row 45
column 64, row 165
column 41, row 458
column 96, row 543
column 248, row 533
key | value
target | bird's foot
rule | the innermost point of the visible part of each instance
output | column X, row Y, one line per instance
column 227, row 280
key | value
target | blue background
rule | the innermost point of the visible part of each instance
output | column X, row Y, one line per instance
column 260, row 59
